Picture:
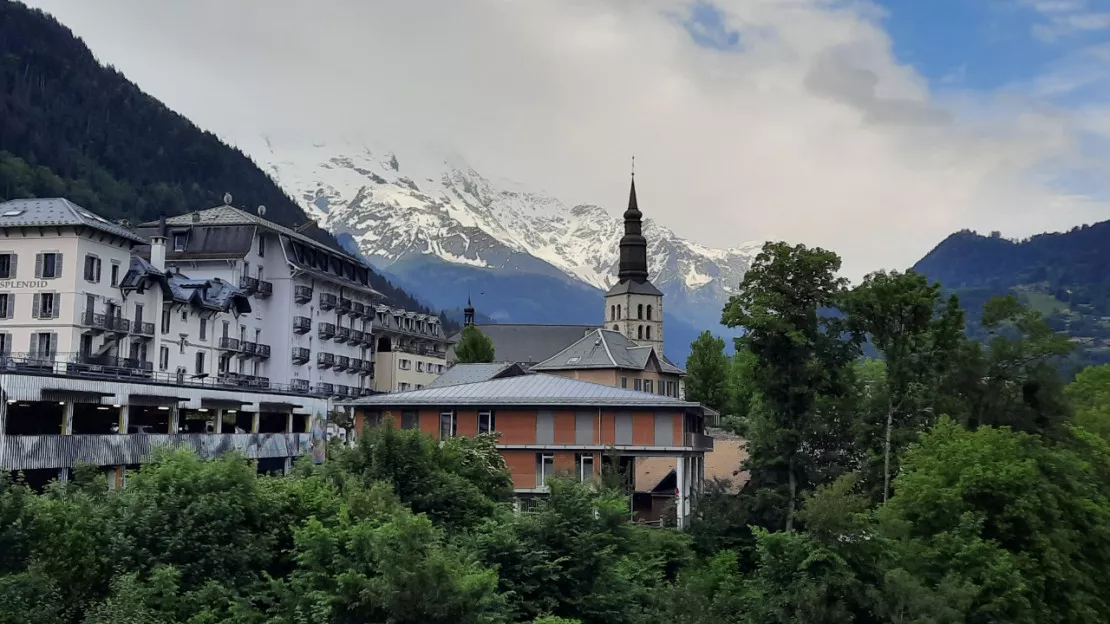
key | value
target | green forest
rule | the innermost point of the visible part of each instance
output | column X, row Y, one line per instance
column 948, row 481
column 70, row 127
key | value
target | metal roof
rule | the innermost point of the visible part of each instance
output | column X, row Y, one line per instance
column 538, row 390
column 471, row 373
column 633, row 287
column 605, row 348
column 58, row 211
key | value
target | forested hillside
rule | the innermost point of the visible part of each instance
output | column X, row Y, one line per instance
column 1065, row 276
column 70, row 127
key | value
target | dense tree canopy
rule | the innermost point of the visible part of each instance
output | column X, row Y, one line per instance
column 474, row 347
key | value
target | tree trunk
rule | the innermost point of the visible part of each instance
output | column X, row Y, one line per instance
column 793, row 494
column 886, row 449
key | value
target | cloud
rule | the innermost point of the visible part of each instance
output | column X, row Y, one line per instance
column 1065, row 18
column 750, row 119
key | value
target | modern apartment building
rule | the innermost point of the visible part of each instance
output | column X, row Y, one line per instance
column 411, row 349
column 550, row 424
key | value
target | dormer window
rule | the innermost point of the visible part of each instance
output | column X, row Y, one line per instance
column 179, row 241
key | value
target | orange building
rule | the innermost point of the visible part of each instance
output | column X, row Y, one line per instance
column 552, row 425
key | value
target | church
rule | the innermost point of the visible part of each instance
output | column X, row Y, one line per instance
column 626, row 351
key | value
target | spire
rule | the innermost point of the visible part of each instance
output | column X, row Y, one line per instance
column 633, row 257
column 468, row 313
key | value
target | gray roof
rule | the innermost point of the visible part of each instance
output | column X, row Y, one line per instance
column 635, row 288
column 605, row 348
column 537, row 390
column 212, row 294
column 529, row 343
column 58, row 211
column 471, row 373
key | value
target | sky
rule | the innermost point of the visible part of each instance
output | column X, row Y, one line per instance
column 874, row 128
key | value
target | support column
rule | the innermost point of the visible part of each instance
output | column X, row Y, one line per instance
column 680, row 503
column 220, row 420
column 288, row 465
column 175, row 419
column 67, row 418
column 255, row 417
column 124, row 418
column 289, row 422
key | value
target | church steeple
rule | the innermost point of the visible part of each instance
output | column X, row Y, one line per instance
column 633, row 257
column 468, row 313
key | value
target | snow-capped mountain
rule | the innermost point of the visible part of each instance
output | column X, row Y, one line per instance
column 402, row 207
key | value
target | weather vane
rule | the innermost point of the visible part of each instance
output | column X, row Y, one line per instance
column 633, row 165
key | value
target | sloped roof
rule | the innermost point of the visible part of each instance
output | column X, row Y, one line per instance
column 529, row 343
column 605, row 348
column 58, row 211
column 471, row 373
column 213, row 294
column 635, row 288
column 536, row 390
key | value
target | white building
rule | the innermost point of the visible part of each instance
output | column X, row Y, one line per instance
column 411, row 349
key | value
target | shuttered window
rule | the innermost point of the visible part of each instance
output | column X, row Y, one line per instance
column 48, row 265
column 7, row 266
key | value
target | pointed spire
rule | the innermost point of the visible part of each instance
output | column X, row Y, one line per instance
column 468, row 312
column 633, row 256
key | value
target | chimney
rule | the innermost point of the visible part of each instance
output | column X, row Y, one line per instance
column 158, row 246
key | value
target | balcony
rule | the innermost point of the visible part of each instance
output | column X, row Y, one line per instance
column 301, row 355
column 302, row 294
column 299, row 385
column 118, row 324
column 326, row 331
column 342, row 334
column 358, row 309
column 144, row 330
column 367, row 368
column 345, row 305
column 325, row 360
column 342, row 363
column 249, row 284
column 367, row 339
column 325, row 389
column 366, row 391
column 228, row 344
column 341, row 391
column 262, row 351
column 699, row 441
column 265, row 289
column 302, row 324
column 328, row 301
column 97, row 322
column 356, row 337
column 247, row 349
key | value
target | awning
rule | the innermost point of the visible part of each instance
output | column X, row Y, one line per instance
column 154, row 399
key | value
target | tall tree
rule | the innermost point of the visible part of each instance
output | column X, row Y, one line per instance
column 1090, row 398
column 799, row 357
column 906, row 319
column 707, row 370
column 474, row 347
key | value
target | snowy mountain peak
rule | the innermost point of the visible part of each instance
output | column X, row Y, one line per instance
column 398, row 205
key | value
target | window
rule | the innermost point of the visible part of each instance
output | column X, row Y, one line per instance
column 179, row 242
column 647, row 332
column 624, row 382
column 612, row 313
column 163, row 358
column 545, row 468
column 5, row 344
column 649, row 313
column 92, row 269
column 165, row 321
column 224, row 363
column 48, row 265
column 419, row 366
column 404, row 364
column 200, row 363
column 640, row 311
column 138, row 315
column 648, row 385
column 181, row 344
column 227, row 325
column 448, row 425
column 486, row 422
column 204, row 329
column 7, row 266
column 261, row 246
column 185, row 315
column 410, row 420
column 43, row 345
column 403, row 386
column 618, row 311
column 7, row 301
column 639, row 385
column 115, row 274
column 45, row 305
column 585, row 462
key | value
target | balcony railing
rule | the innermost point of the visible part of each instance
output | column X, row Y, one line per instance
column 301, row 355
column 302, row 294
column 326, row 330
column 356, row 337
column 325, row 389
column 327, row 301
column 247, row 348
column 325, row 360
column 342, row 334
column 94, row 320
column 367, row 368
column 300, row 385
column 118, row 324
column 358, row 309
column 342, row 362
column 302, row 324
column 344, row 305
column 144, row 329
column 699, row 441
column 366, row 391
column 228, row 343
column 341, row 390
column 265, row 289
column 367, row 339
column 249, row 284
column 262, row 350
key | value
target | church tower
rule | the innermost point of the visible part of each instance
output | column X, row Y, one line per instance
column 634, row 306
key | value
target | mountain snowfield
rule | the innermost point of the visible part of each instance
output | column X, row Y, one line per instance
column 400, row 206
